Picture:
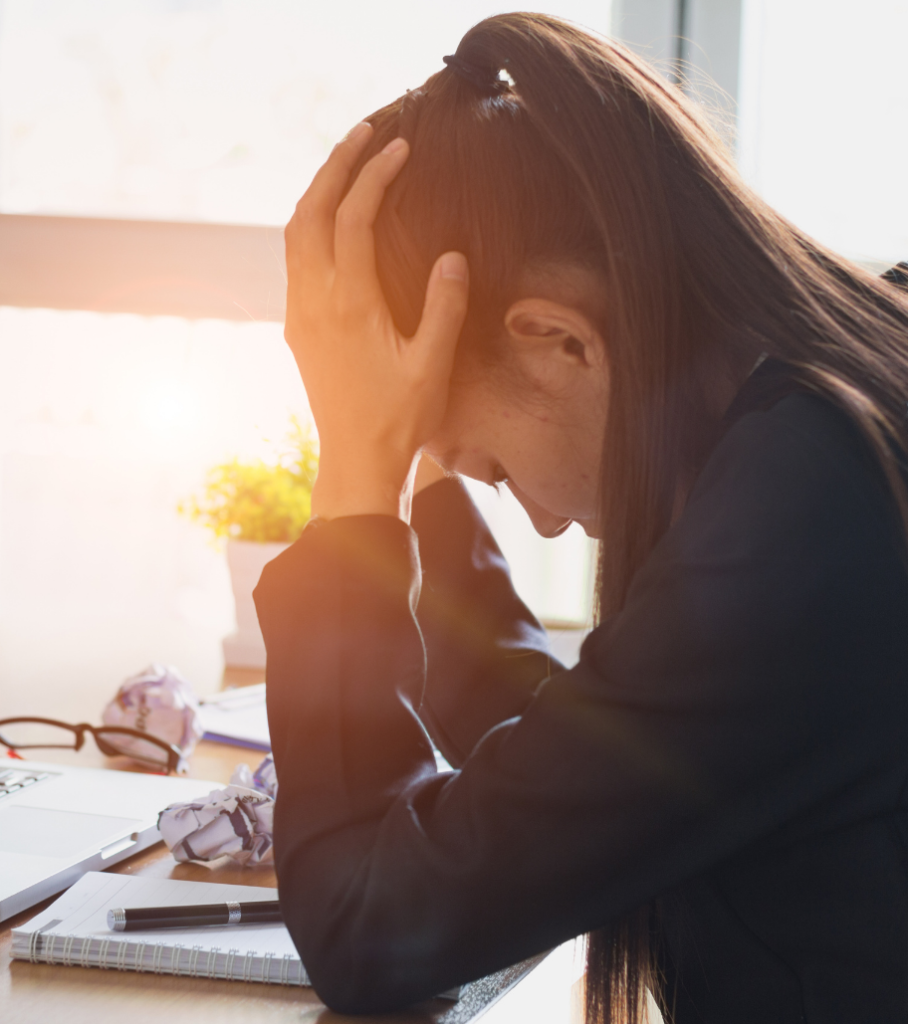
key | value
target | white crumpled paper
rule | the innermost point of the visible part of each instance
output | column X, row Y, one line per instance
column 263, row 779
column 158, row 701
column 235, row 822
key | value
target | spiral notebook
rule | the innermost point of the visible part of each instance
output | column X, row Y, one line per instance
column 73, row 931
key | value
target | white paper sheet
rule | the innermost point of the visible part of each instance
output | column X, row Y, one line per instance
column 238, row 717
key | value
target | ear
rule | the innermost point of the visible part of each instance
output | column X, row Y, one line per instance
column 542, row 328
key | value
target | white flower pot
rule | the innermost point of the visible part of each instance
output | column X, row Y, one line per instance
column 246, row 559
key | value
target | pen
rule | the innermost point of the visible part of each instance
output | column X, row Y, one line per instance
column 132, row 919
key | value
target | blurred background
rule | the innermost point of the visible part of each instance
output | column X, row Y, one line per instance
column 150, row 151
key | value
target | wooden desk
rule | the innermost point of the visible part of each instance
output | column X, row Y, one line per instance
column 39, row 994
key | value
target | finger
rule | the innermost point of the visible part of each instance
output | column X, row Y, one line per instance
column 354, row 243
column 330, row 180
column 311, row 229
column 443, row 314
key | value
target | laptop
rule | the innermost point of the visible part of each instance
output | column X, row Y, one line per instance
column 57, row 822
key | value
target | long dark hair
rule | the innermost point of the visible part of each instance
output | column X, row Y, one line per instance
column 587, row 157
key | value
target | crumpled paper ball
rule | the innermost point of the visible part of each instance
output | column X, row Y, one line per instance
column 158, row 701
column 235, row 822
column 263, row 779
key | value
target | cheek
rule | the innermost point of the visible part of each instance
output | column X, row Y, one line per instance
column 540, row 453
column 553, row 466
column 458, row 433
column 477, row 416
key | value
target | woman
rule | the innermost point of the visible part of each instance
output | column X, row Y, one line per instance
column 557, row 282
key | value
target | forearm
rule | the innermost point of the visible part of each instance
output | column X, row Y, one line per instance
column 486, row 651
column 336, row 614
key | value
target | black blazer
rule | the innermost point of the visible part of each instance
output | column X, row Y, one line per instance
column 734, row 742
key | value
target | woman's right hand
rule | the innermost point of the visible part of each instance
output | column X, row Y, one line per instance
column 377, row 397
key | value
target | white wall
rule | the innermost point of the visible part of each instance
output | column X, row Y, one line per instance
column 206, row 109
column 106, row 423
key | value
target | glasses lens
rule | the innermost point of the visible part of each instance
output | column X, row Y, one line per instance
column 134, row 746
column 36, row 734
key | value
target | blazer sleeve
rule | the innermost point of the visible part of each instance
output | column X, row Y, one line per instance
column 486, row 653
column 756, row 670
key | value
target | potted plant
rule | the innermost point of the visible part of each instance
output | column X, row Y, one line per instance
column 260, row 508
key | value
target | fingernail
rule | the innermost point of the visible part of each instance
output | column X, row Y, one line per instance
column 356, row 131
column 453, row 267
column 394, row 146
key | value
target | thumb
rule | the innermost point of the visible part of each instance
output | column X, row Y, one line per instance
column 445, row 308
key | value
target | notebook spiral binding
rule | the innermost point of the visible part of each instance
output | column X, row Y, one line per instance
column 285, row 968
column 248, row 964
column 212, row 961
column 194, row 961
column 266, row 965
column 124, row 955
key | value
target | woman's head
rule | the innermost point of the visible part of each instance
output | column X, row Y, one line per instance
column 551, row 186
column 588, row 182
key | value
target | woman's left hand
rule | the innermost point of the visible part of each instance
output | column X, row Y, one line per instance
column 376, row 396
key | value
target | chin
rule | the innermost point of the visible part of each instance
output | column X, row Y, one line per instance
column 551, row 532
column 591, row 528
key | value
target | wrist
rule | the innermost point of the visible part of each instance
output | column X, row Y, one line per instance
column 360, row 487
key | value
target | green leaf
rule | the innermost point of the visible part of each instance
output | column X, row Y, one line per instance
column 257, row 501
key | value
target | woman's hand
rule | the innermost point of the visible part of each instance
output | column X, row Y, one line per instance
column 376, row 396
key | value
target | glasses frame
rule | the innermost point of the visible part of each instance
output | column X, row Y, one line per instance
column 174, row 754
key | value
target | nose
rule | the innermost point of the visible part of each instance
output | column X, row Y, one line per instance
column 544, row 523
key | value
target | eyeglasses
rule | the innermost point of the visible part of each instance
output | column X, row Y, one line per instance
column 37, row 733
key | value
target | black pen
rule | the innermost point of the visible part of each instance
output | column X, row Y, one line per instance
column 131, row 919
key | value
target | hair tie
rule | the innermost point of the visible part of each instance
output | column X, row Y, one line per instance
column 486, row 79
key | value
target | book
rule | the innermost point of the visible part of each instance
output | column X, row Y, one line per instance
column 73, row 931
